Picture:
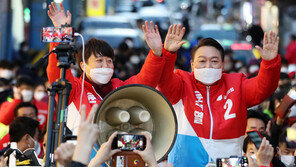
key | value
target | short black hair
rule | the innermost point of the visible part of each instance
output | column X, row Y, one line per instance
column 208, row 42
column 247, row 141
column 25, row 104
column 258, row 114
column 6, row 64
column 24, row 80
column 283, row 136
column 94, row 46
column 21, row 126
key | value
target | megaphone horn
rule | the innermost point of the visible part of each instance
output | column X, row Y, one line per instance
column 137, row 108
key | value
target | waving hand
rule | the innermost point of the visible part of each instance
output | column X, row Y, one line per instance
column 57, row 17
column 173, row 40
column 270, row 46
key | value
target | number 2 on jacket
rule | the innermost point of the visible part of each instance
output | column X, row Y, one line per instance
column 228, row 106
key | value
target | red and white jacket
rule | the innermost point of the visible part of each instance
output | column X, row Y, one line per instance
column 149, row 75
column 212, row 119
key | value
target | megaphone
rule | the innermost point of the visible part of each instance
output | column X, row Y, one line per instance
column 136, row 108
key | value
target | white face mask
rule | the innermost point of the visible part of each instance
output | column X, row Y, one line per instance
column 253, row 69
column 207, row 75
column 39, row 95
column 2, row 90
column 37, row 147
column 253, row 156
column 288, row 160
column 284, row 70
column 27, row 95
column 100, row 75
column 7, row 74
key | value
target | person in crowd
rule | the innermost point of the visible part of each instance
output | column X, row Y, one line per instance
column 40, row 93
column 264, row 156
column 6, row 92
column 291, row 50
column 23, row 92
column 99, row 67
column 259, row 121
column 24, row 131
column 6, row 70
column 229, row 64
column 24, row 109
column 212, row 106
column 284, row 152
column 29, row 110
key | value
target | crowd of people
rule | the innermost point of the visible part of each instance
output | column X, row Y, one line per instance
column 217, row 99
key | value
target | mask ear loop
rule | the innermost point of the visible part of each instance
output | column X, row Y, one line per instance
column 83, row 79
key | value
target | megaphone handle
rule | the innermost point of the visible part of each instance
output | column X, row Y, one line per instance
column 127, row 158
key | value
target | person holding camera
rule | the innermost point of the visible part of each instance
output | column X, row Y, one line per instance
column 69, row 155
column 99, row 68
column 211, row 106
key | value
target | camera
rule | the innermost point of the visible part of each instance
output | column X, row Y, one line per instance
column 232, row 162
column 57, row 34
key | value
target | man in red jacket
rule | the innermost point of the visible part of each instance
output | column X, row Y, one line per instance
column 99, row 57
column 211, row 106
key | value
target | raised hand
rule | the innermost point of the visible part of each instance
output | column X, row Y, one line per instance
column 87, row 135
column 153, row 38
column 265, row 153
column 57, row 17
column 148, row 154
column 63, row 154
column 105, row 152
column 270, row 46
column 173, row 40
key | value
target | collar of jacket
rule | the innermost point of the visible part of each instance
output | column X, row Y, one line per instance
column 203, row 87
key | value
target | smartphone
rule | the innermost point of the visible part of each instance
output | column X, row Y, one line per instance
column 232, row 162
column 129, row 142
column 57, row 34
column 255, row 137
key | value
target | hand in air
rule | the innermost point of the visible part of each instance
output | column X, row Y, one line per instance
column 57, row 17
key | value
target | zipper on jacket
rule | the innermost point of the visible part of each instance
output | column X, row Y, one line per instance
column 211, row 116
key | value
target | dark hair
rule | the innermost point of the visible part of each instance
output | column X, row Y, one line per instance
column 94, row 46
column 24, row 80
column 21, row 126
column 25, row 104
column 4, row 82
column 258, row 114
column 6, row 64
column 208, row 42
column 246, row 142
column 283, row 136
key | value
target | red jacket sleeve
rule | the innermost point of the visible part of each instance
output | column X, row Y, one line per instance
column 150, row 72
column 259, row 88
column 53, row 72
column 7, row 111
column 170, row 83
